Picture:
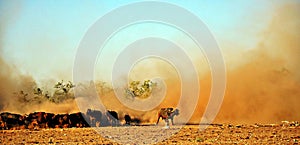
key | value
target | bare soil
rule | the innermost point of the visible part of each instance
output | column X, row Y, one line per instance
column 188, row 134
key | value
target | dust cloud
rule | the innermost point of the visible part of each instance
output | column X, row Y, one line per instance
column 15, row 85
column 266, row 87
column 9, row 75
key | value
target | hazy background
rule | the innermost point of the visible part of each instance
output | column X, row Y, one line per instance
column 259, row 41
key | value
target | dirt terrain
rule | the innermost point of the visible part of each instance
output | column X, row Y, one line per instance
column 284, row 133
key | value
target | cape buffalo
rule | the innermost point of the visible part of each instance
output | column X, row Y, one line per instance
column 166, row 114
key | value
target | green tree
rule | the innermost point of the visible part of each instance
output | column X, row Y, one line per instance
column 140, row 90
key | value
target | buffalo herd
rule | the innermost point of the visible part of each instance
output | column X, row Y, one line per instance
column 36, row 120
column 91, row 118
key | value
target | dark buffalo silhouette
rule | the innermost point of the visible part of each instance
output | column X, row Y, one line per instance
column 127, row 119
column 113, row 117
column 49, row 117
column 10, row 120
column 37, row 120
column 77, row 120
column 135, row 121
column 94, row 117
column 61, row 121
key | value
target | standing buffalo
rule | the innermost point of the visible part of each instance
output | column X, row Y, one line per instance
column 10, row 120
column 94, row 117
column 61, row 120
column 127, row 119
column 77, row 120
column 113, row 117
column 166, row 114
column 36, row 120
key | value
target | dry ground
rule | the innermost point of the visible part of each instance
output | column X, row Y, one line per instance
column 189, row 134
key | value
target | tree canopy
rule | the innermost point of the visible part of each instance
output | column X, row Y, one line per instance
column 140, row 89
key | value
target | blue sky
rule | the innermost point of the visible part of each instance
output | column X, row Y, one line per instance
column 41, row 37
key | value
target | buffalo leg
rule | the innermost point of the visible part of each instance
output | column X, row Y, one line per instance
column 167, row 121
column 157, row 120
